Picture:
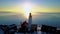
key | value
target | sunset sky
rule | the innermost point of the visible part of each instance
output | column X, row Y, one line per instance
column 40, row 5
column 26, row 6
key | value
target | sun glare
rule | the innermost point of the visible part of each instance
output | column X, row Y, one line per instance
column 27, row 9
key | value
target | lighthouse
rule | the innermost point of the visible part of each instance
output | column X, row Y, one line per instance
column 30, row 21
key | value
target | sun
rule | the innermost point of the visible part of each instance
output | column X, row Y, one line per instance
column 27, row 9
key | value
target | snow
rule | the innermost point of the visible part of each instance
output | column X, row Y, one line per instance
column 1, row 31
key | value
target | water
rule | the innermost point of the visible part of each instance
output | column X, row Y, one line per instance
column 9, row 19
column 47, row 19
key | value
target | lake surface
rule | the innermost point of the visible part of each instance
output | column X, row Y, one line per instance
column 45, row 18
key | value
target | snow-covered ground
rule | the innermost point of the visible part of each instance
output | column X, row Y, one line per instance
column 38, row 32
column 1, row 32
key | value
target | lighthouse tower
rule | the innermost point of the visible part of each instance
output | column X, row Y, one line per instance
column 30, row 21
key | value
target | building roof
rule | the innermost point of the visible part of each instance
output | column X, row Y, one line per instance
column 25, row 24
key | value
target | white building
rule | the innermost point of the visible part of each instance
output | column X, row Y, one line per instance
column 30, row 21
